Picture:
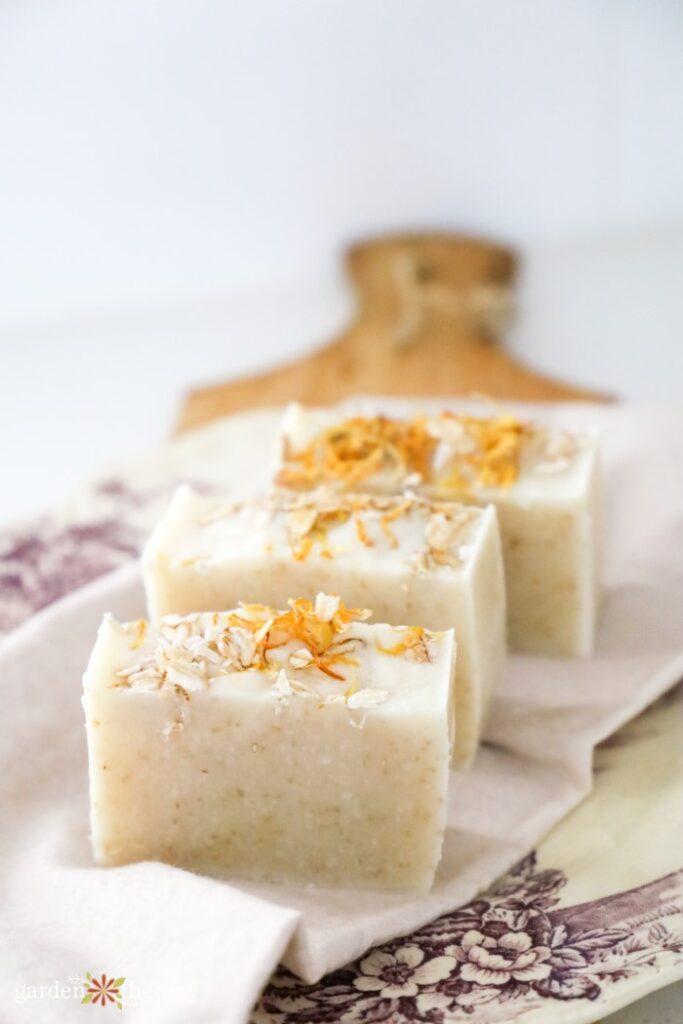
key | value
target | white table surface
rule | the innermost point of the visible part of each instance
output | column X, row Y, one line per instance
column 79, row 394
column 663, row 1007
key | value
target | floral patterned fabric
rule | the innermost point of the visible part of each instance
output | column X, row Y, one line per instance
column 43, row 560
column 497, row 958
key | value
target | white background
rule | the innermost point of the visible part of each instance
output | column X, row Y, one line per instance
column 178, row 180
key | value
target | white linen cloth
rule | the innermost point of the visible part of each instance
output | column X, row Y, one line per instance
column 163, row 928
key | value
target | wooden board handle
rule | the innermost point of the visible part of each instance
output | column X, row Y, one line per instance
column 431, row 311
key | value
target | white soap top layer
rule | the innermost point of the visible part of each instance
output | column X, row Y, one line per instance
column 447, row 456
column 393, row 535
column 320, row 652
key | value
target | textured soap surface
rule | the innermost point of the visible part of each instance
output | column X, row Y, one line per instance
column 304, row 746
column 543, row 483
column 410, row 560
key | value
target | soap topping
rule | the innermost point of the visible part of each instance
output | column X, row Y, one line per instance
column 445, row 526
column 194, row 650
column 553, row 453
column 415, row 645
column 457, row 453
column 438, row 529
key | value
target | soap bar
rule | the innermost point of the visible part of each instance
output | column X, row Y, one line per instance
column 298, row 746
column 542, row 481
column 410, row 560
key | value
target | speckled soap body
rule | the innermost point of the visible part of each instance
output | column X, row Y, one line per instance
column 435, row 566
column 548, row 512
column 282, row 774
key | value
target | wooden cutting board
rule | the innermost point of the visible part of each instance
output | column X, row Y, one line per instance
column 431, row 311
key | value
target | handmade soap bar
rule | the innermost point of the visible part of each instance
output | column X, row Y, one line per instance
column 437, row 566
column 543, row 483
column 304, row 745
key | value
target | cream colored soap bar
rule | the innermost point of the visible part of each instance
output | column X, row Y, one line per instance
column 300, row 746
column 542, row 482
column 408, row 559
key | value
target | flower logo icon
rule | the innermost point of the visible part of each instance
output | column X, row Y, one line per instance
column 103, row 990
